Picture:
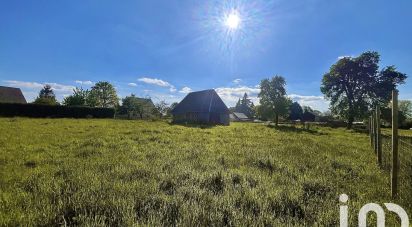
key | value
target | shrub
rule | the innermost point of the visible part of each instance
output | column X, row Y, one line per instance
column 37, row 110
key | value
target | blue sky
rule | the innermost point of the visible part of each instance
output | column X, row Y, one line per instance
column 164, row 49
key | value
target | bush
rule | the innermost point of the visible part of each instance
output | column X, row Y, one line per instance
column 37, row 110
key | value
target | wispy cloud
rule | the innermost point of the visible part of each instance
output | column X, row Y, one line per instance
column 345, row 56
column 31, row 89
column 84, row 82
column 36, row 85
column 154, row 81
column 231, row 95
column 185, row 90
column 158, row 82
column 315, row 102
column 23, row 84
column 237, row 81
column 132, row 84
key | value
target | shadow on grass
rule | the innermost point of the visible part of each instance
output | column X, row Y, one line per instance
column 284, row 128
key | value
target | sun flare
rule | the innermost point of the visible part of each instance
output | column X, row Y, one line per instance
column 232, row 20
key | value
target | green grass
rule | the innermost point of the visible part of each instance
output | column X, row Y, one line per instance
column 402, row 132
column 117, row 172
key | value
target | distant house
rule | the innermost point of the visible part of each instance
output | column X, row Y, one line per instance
column 236, row 116
column 201, row 107
column 148, row 108
column 11, row 95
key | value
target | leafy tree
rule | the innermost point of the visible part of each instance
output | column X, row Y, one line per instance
column 273, row 97
column 355, row 84
column 246, row 106
column 103, row 94
column 78, row 98
column 46, row 96
column 132, row 106
column 405, row 106
column 296, row 111
column 264, row 113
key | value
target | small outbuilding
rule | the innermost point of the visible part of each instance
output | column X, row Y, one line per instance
column 205, row 107
column 237, row 116
column 11, row 95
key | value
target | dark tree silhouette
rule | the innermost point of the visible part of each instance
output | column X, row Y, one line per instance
column 354, row 85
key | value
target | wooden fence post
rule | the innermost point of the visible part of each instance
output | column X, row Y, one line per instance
column 378, row 136
column 370, row 131
column 395, row 155
column 375, row 129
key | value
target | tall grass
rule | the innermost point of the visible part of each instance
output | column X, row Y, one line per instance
column 115, row 172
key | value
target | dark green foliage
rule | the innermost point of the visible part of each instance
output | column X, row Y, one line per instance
column 103, row 94
column 36, row 110
column 78, row 98
column 273, row 99
column 46, row 96
column 135, row 107
column 354, row 85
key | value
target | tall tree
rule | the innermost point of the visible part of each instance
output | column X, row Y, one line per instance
column 405, row 106
column 132, row 106
column 46, row 96
column 78, row 98
column 273, row 97
column 296, row 111
column 103, row 94
column 246, row 106
column 354, row 85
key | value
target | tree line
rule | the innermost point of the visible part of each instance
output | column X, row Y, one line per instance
column 103, row 94
column 353, row 85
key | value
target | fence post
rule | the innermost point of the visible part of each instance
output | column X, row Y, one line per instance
column 378, row 136
column 395, row 155
column 370, row 131
column 375, row 126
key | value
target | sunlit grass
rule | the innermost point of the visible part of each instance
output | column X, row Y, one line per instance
column 114, row 172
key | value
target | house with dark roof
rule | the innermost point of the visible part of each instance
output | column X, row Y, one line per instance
column 11, row 95
column 205, row 107
column 148, row 108
column 237, row 116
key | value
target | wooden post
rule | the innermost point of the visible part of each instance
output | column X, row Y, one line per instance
column 375, row 134
column 395, row 155
column 378, row 136
column 370, row 131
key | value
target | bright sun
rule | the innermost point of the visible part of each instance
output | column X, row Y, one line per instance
column 232, row 20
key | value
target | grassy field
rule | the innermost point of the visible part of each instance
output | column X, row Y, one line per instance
column 402, row 132
column 118, row 172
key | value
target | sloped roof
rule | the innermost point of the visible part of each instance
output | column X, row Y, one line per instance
column 240, row 115
column 146, row 102
column 201, row 102
column 11, row 95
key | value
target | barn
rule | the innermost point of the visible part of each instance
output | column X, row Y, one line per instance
column 205, row 107
column 11, row 95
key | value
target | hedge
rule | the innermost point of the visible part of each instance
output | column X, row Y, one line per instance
column 37, row 110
